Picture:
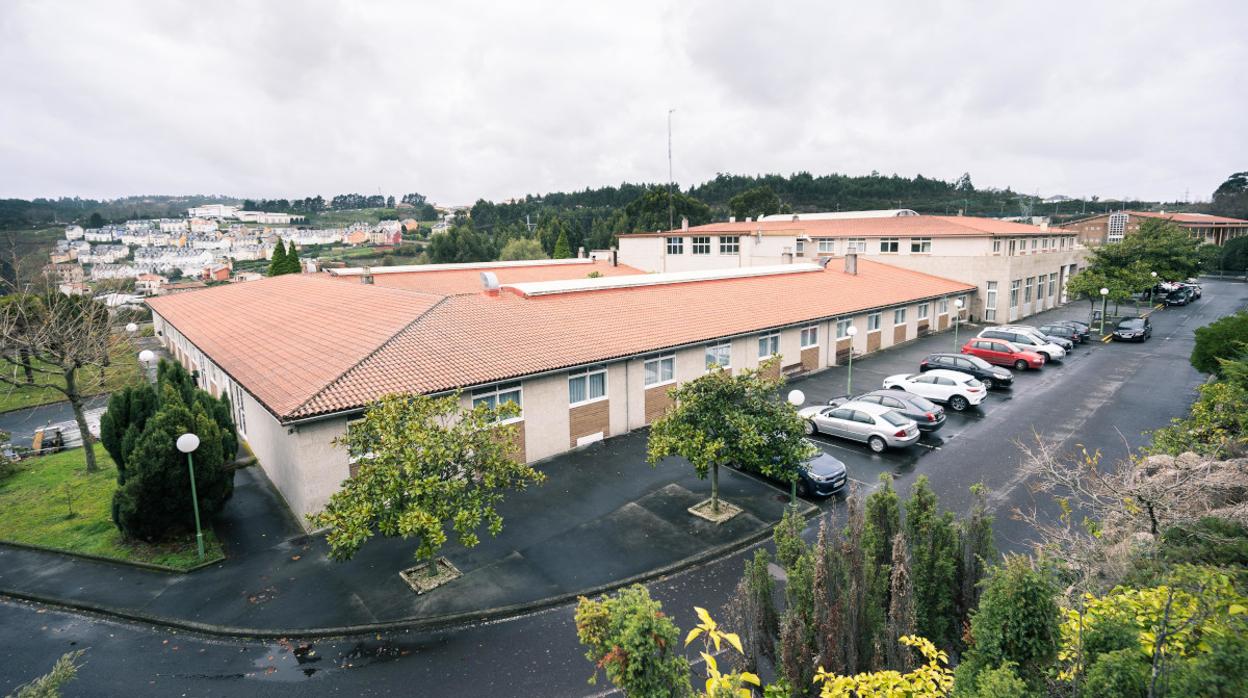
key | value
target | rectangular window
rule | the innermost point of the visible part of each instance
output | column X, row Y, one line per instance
column 768, row 345
column 889, row 245
column 827, row 246
column 923, row 311
column 1014, row 293
column 842, row 328
column 899, row 316
column 943, row 308
column 920, row 245
column 996, row 247
column 962, row 300
column 719, row 355
column 810, row 336
column 661, row 369
column 801, row 248
column 1012, row 243
column 1027, row 288
column 701, row 244
column 240, row 412
column 1034, row 243
column 873, row 322
column 500, row 394
column 587, row 385
column 675, row 245
column 730, row 245
column 856, row 245
column 990, row 301
column 1052, row 284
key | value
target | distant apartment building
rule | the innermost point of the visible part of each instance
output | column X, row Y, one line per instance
column 1018, row 269
column 215, row 272
column 104, row 254
column 267, row 218
column 64, row 273
column 245, row 276
column 74, row 232
column 101, row 272
column 213, row 211
column 1113, row 227
column 105, row 234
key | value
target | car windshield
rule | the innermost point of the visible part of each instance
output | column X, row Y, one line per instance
column 1132, row 324
column 978, row 362
column 894, row 418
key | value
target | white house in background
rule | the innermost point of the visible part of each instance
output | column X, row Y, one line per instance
column 117, row 300
column 173, row 225
column 149, row 284
column 100, row 272
column 203, row 225
column 104, row 254
column 74, row 232
column 213, row 211
column 268, row 218
column 98, row 235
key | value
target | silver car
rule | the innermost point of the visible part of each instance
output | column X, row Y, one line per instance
column 877, row 425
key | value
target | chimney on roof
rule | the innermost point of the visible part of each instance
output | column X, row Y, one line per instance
column 580, row 253
column 615, row 257
column 1044, row 225
column 367, row 276
column 732, row 219
column 851, row 263
column 747, row 219
column 796, row 217
column 684, row 224
column 786, row 257
column 959, row 212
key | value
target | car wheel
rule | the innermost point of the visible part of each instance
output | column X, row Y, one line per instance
column 809, row 427
column 895, row 387
column 988, row 384
column 1020, row 365
column 803, row 490
column 877, row 444
column 1047, row 359
column 958, row 403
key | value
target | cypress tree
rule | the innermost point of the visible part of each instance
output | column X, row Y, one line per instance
column 900, row 608
column 883, row 522
column 976, row 550
column 934, row 556
column 291, row 264
column 562, row 249
column 277, row 264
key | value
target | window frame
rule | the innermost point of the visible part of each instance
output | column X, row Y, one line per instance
column 1014, row 286
column 730, row 244
column 1052, row 284
column 920, row 245
column 494, row 391
column 813, row 332
column 660, row 360
column 773, row 338
column 996, row 247
column 1027, row 284
column 855, row 245
column 675, row 245
column 700, row 245
column 899, row 316
column 921, row 312
column 873, row 322
column 585, row 374
column 826, row 245
column 842, row 328
column 894, row 243
column 709, row 353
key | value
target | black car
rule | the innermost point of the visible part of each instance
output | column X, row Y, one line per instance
column 1083, row 328
column 1068, row 332
column 929, row 415
column 1182, row 296
column 991, row 376
column 1133, row 329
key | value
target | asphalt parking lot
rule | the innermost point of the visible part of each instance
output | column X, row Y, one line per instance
column 1103, row 397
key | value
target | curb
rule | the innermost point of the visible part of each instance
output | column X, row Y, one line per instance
column 419, row 624
column 113, row 560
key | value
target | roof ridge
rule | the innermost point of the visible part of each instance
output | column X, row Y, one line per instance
column 366, row 357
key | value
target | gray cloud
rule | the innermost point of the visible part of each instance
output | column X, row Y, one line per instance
column 467, row 100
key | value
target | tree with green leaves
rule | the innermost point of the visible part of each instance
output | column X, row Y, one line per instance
column 649, row 211
column 123, row 421
column 1157, row 246
column 1233, row 255
column 976, row 553
column 752, row 610
column 1231, row 197
column 934, row 556
column 562, row 250
column 426, row 465
column 638, row 646
column 518, row 249
column 719, row 419
column 759, row 201
column 1017, row 621
column 882, row 524
column 291, row 263
column 1220, row 340
column 277, row 263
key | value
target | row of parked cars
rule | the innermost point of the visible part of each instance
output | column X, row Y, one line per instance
column 1178, row 292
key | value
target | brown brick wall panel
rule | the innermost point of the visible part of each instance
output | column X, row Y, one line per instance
column 810, row 358
column 944, row 323
column 773, row 371
column 513, row 433
column 587, row 420
column 923, row 327
column 873, row 341
column 657, row 402
column 842, row 351
column 899, row 334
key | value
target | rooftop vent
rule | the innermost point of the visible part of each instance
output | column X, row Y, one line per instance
column 851, row 263
column 489, row 282
column 367, row 276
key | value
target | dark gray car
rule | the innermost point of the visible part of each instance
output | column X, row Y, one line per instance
column 928, row 415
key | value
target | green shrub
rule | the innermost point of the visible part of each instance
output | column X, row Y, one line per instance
column 1017, row 620
column 1119, row 674
column 638, row 646
column 1222, row 339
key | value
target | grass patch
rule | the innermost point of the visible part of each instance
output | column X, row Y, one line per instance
column 123, row 369
column 34, row 509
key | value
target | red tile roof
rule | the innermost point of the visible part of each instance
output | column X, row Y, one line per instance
column 900, row 226
column 456, row 281
column 1190, row 218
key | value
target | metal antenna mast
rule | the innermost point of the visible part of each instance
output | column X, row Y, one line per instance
column 671, row 214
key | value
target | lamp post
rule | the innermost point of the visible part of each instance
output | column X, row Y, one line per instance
column 147, row 357
column 957, row 319
column 1152, row 290
column 851, row 332
column 187, row 443
column 1104, row 307
column 796, row 398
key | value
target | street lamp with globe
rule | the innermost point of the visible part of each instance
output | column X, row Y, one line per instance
column 1104, row 307
column 850, row 332
column 796, row 398
column 147, row 357
column 957, row 320
column 187, row 443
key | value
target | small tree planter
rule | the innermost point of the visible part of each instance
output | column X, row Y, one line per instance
column 421, row 582
column 703, row 510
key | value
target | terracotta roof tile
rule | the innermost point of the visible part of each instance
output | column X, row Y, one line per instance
column 455, row 281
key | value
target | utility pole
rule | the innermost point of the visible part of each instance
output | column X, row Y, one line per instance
column 671, row 212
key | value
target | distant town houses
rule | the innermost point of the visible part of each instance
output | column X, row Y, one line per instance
column 103, row 254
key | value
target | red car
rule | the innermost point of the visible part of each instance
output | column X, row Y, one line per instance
column 1002, row 353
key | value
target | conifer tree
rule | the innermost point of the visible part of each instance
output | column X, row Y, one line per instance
column 883, row 521
column 562, row 249
column 277, row 264
column 934, row 556
column 900, row 609
column 291, row 264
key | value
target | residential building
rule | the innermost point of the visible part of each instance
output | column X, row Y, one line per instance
column 105, row 234
column 175, row 287
column 990, row 254
column 267, row 218
column 104, row 254
column 215, row 272
column 1114, row 226
column 583, row 358
column 202, row 225
column 74, row 232
column 173, row 225
column 64, row 273
column 150, row 284
column 213, row 211
column 100, row 272
column 244, row 276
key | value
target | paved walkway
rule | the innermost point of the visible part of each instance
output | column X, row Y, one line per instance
column 602, row 516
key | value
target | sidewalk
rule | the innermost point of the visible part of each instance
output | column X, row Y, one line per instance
column 602, row 517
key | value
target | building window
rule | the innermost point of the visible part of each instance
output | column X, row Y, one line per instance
column 1012, row 243
column 920, row 245
column 500, row 394
column 768, row 345
column 719, row 355
column 587, row 385
column 889, row 245
column 701, row 244
column 943, row 308
column 990, row 301
column 899, row 316
column 810, row 336
column 922, row 311
column 240, row 411
column 855, row 245
column 661, row 369
column 1027, row 288
column 730, row 245
column 801, row 248
column 1035, row 242
column 1052, row 284
column 1014, row 293
column 827, row 246
column 996, row 247
column 842, row 328
column 873, row 322
column 675, row 245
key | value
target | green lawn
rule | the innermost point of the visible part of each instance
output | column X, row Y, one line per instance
column 123, row 369
column 34, row 509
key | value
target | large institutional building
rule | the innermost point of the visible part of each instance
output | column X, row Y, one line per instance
column 588, row 348
column 1017, row 269
column 1113, row 227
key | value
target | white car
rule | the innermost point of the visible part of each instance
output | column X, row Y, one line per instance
column 957, row 389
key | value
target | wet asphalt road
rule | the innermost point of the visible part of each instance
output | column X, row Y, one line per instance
column 1103, row 397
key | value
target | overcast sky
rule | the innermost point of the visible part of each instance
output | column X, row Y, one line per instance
column 464, row 100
